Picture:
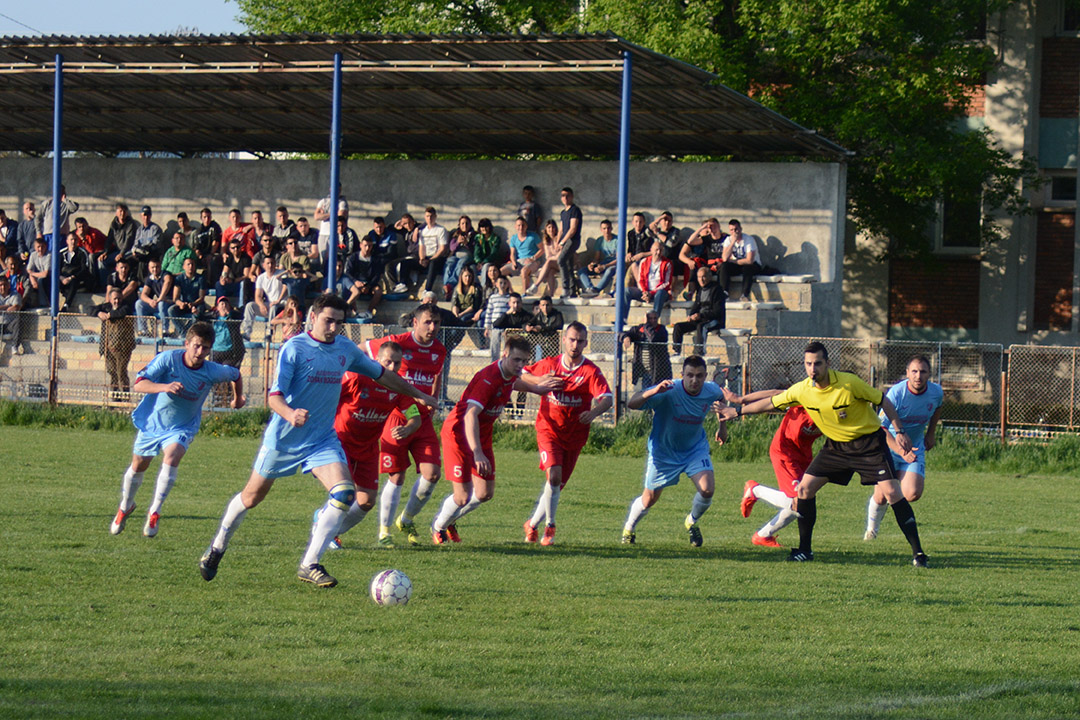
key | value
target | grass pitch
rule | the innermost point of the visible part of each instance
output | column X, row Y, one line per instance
column 123, row 627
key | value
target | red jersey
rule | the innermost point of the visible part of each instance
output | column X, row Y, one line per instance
column 245, row 234
column 93, row 241
column 489, row 390
column 795, row 437
column 363, row 409
column 421, row 365
column 559, row 409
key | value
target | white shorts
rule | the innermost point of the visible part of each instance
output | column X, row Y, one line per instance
column 271, row 463
column 150, row 444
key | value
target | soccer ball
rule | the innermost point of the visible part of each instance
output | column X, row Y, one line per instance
column 391, row 587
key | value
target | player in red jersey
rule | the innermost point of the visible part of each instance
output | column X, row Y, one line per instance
column 422, row 359
column 564, row 420
column 791, row 451
column 362, row 413
column 466, row 434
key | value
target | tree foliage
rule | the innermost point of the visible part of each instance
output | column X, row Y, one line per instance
column 888, row 79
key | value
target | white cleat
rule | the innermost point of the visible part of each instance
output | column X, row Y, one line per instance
column 869, row 535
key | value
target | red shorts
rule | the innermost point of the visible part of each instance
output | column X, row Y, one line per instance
column 364, row 470
column 553, row 452
column 423, row 445
column 788, row 472
column 458, row 459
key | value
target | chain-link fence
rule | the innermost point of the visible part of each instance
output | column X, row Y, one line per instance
column 1044, row 388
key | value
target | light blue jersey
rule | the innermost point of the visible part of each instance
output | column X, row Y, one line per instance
column 162, row 413
column 677, row 428
column 309, row 376
column 914, row 410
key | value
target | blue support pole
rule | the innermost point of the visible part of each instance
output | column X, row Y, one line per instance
column 54, row 266
column 620, row 262
column 335, row 176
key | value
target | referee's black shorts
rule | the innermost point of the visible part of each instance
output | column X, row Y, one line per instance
column 867, row 455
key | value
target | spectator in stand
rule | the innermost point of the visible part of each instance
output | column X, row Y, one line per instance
column 228, row 347
column 708, row 312
column 488, row 248
column 9, row 236
column 75, row 271
column 639, row 240
column 704, row 248
column 467, row 299
column 514, row 318
column 385, row 240
column 365, row 269
column 654, row 282
column 569, row 241
column 191, row 234
column 17, row 279
column 529, row 210
column 267, row 249
column 27, row 232
column 236, row 263
column 237, row 230
column 43, row 221
column 294, row 255
column 259, row 226
column 291, row 318
column 296, row 282
column 322, row 216
column 741, row 257
column 652, row 361
column 459, row 255
column 498, row 302
column 121, row 237
column 117, row 340
column 154, row 298
column 549, row 271
column 94, row 242
column 409, row 262
column 348, row 240
column 285, row 227
column 189, row 295
column 544, row 327
column 173, row 262
column 37, row 268
column 10, row 305
column 270, row 294
column 434, row 247
column 307, row 242
column 343, row 285
column 603, row 262
column 663, row 230
column 147, row 240
column 207, row 242
column 526, row 253
column 122, row 279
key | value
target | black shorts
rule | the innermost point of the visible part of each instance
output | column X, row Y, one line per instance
column 867, row 455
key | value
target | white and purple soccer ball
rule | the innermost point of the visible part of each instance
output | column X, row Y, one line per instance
column 391, row 587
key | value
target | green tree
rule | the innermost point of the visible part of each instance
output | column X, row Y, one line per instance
column 888, row 79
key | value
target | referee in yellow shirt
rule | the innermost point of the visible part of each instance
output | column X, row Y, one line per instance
column 842, row 406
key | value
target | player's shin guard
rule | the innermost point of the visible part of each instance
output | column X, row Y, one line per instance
column 779, row 521
column 447, row 513
column 875, row 514
column 637, row 512
column 128, row 488
column 230, row 521
column 807, row 509
column 389, row 499
column 418, row 497
column 905, row 518
column 546, row 505
column 352, row 518
column 699, row 506
column 466, row 508
column 165, row 480
column 328, row 523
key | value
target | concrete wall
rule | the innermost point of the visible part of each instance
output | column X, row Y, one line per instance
column 794, row 209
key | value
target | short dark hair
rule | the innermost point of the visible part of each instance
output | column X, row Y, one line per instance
column 605, row 221
column 542, row 297
column 735, row 222
column 667, row 214
column 640, row 215
column 180, row 215
column 694, row 361
column 78, row 220
column 282, row 208
column 521, row 219
column 202, row 330
column 235, row 210
column 431, row 209
column 389, row 345
column 567, row 190
column 429, row 309
column 530, row 188
column 517, row 342
column 206, row 210
column 921, row 358
column 124, row 207
column 580, row 327
column 815, row 347
column 328, row 300
column 301, row 219
column 517, row 295
column 380, row 220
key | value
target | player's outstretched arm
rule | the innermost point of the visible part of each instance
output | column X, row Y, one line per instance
column 394, row 382
column 539, row 386
column 637, row 400
column 732, row 398
column 148, row 386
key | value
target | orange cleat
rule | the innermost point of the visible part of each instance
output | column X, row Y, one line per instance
column 748, row 498
column 549, row 536
column 769, row 541
column 530, row 532
column 451, row 531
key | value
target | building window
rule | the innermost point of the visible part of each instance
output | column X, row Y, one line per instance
column 1063, row 190
column 1070, row 17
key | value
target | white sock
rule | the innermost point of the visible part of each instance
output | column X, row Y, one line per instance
column 230, row 520
column 352, row 518
column 128, row 488
column 326, row 527
column 465, row 509
column 874, row 514
column 772, row 496
column 546, row 505
column 165, row 480
column 699, row 506
column 779, row 521
column 388, row 503
column 418, row 497
column 637, row 511
column 446, row 515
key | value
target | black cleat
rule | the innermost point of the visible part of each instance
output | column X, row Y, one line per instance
column 317, row 576
column 920, row 560
column 798, row 555
column 209, row 562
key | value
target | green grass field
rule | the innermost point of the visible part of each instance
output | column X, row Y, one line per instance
column 93, row 625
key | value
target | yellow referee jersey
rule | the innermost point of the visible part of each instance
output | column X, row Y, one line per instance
column 842, row 411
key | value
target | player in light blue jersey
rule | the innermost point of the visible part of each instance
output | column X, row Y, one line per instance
column 677, row 443
column 918, row 403
column 301, row 434
column 176, row 383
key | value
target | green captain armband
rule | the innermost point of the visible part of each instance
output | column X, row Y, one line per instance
column 412, row 412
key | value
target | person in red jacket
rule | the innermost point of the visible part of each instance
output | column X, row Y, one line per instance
column 654, row 281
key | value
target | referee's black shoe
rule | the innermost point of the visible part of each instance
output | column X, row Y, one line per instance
column 798, row 555
column 920, row 560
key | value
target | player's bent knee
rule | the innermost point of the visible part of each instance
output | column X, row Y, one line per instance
column 913, row 495
column 342, row 495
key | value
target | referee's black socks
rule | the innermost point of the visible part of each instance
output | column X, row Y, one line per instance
column 905, row 518
column 807, row 510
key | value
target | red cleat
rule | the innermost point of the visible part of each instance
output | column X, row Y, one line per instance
column 439, row 537
column 530, row 533
column 549, row 536
column 765, row 541
column 748, row 498
column 451, row 531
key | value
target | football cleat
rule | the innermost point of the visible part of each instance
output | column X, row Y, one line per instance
column 869, row 534
column 531, row 535
column 798, row 555
column 439, row 537
column 748, row 498
column 628, row 537
column 150, row 528
column 549, row 536
column 920, row 560
column 694, row 530
column 335, row 544
column 316, row 575
column 208, row 563
column 451, row 532
column 120, row 520
column 409, row 528
column 385, row 541
column 765, row 540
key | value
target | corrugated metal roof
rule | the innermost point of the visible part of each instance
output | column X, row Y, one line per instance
column 488, row 94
